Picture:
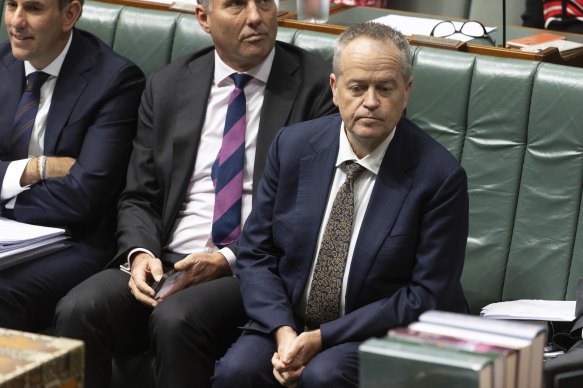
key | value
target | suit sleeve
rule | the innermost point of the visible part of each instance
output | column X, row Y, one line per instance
column 437, row 268
column 140, row 205
column 264, row 294
column 96, row 178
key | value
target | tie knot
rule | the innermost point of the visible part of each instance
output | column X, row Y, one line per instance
column 36, row 80
column 240, row 79
column 353, row 170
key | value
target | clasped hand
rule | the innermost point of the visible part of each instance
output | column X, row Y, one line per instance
column 293, row 353
column 197, row 268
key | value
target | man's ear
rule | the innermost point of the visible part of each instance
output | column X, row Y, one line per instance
column 203, row 18
column 407, row 91
column 333, row 86
column 71, row 13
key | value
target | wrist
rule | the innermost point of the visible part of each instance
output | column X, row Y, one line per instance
column 41, row 162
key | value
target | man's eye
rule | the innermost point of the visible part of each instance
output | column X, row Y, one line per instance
column 235, row 4
column 355, row 89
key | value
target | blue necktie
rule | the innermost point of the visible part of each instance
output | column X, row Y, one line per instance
column 25, row 115
column 227, row 171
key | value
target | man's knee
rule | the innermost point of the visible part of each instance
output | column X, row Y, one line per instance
column 89, row 302
column 232, row 373
column 167, row 319
column 335, row 368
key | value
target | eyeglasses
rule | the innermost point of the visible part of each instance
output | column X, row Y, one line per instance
column 470, row 28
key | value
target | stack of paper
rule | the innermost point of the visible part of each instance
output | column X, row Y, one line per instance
column 531, row 309
column 20, row 242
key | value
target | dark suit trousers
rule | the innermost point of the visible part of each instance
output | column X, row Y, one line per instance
column 30, row 291
column 247, row 364
column 188, row 331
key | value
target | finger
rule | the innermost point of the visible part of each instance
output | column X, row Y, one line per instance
column 277, row 364
column 140, row 296
column 156, row 270
column 279, row 377
column 185, row 263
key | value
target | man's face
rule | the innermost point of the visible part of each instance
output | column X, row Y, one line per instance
column 243, row 31
column 370, row 92
column 38, row 29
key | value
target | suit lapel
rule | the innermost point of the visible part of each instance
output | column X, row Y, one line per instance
column 280, row 93
column 12, row 75
column 313, row 191
column 392, row 185
column 70, row 85
column 190, row 111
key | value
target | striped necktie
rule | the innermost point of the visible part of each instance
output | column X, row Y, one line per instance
column 227, row 171
column 324, row 300
column 25, row 115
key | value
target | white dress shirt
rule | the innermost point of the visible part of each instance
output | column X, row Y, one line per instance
column 363, row 187
column 11, row 184
column 192, row 229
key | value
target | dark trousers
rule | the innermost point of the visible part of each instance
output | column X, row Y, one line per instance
column 188, row 331
column 248, row 364
column 30, row 291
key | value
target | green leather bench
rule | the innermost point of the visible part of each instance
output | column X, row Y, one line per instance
column 515, row 125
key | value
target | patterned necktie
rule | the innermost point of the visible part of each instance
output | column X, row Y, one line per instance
column 25, row 115
column 324, row 299
column 227, row 171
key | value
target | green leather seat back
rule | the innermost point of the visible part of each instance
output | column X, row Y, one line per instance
column 3, row 33
column 146, row 37
column 318, row 43
column 543, row 260
column 516, row 128
column 285, row 34
column 493, row 153
column 189, row 37
column 439, row 104
column 100, row 19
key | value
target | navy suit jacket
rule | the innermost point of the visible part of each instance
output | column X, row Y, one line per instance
column 92, row 119
column 410, row 250
column 172, row 114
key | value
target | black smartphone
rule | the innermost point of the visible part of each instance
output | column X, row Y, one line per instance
column 164, row 287
column 157, row 285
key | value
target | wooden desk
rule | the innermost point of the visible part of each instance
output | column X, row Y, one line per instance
column 340, row 19
column 342, row 16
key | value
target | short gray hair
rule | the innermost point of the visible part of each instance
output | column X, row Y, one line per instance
column 376, row 31
column 206, row 4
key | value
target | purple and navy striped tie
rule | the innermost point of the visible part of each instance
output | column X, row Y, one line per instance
column 25, row 115
column 227, row 171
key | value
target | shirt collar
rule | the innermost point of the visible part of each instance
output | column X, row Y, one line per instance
column 372, row 162
column 259, row 72
column 54, row 67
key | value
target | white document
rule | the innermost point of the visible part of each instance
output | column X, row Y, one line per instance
column 14, row 232
column 562, row 45
column 410, row 25
column 529, row 309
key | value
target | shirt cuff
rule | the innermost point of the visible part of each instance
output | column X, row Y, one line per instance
column 11, row 184
column 137, row 250
column 230, row 256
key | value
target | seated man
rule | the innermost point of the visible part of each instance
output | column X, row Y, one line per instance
column 359, row 225
column 170, row 216
column 66, row 137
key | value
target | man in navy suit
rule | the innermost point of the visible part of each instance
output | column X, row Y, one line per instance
column 72, row 164
column 404, row 250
